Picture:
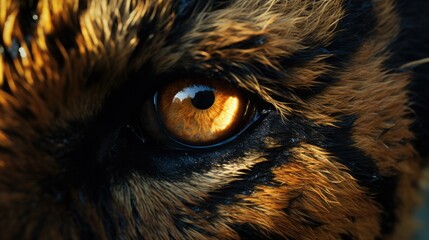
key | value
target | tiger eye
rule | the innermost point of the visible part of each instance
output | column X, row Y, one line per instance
column 201, row 112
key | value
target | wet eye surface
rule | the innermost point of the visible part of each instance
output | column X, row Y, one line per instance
column 198, row 112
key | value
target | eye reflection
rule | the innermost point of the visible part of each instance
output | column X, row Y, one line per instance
column 202, row 97
column 226, row 116
column 201, row 112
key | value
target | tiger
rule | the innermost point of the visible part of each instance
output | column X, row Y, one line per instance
column 216, row 119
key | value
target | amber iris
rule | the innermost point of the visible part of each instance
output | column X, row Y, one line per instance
column 201, row 112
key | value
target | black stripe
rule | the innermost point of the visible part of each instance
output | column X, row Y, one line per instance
column 247, row 231
column 6, row 151
column 362, row 167
column 353, row 30
column 28, row 18
column 85, row 230
column 259, row 175
column 5, row 86
column 11, row 134
column 184, row 21
column 101, row 198
column 411, row 45
column 346, row 236
column 220, row 4
column 137, row 219
column 338, row 141
column 181, row 222
column 113, row 221
column 65, row 34
column 251, row 42
column 37, row 230
column 386, row 196
column 322, row 83
column 185, row 11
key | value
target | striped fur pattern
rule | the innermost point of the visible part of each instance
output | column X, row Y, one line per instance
column 333, row 156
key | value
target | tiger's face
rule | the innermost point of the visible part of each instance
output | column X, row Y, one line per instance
column 204, row 120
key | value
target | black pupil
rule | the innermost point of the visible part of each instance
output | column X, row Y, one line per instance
column 203, row 99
